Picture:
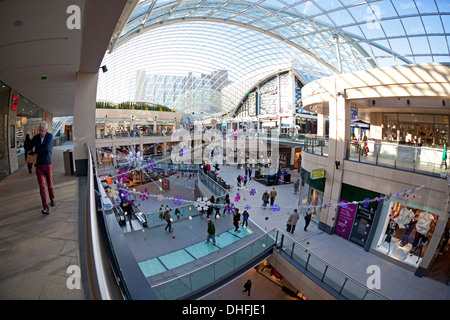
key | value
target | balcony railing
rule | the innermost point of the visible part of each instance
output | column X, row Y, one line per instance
column 316, row 145
column 404, row 157
column 188, row 284
column 325, row 272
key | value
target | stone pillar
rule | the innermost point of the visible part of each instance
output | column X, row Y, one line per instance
column 321, row 123
column 340, row 121
column 84, row 119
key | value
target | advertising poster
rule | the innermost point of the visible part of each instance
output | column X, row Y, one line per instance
column 345, row 220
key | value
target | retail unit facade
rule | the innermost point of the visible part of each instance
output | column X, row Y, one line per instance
column 394, row 207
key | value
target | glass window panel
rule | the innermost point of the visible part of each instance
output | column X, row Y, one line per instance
column 423, row 59
column 381, row 48
column 161, row 3
column 419, row 45
column 443, row 6
column 273, row 4
column 329, row 5
column 223, row 14
column 384, row 9
column 438, row 45
column 302, row 43
column 405, row 7
column 400, row 46
column 286, row 32
column 385, row 62
column 413, row 26
column 273, row 21
column 445, row 58
column 242, row 19
column 257, row 13
column 372, row 30
column 341, row 17
column 426, row 6
column 393, row 28
column 432, row 24
column 260, row 25
column 139, row 11
column 307, row 8
column 353, row 31
column 361, row 12
column 322, row 22
column 446, row 23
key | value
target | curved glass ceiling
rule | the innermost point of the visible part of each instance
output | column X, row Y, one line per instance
column 372, row 33
column 172, row 51
column 200, row 67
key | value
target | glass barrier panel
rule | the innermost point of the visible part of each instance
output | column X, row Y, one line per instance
column 387, row 155
column 174, row 289
column 224, row 266
column 316, row 266
column 334, row 279
column 353, row 290
column 372, row 296
column 300, row 255
column 405, row 157
column 202, row 277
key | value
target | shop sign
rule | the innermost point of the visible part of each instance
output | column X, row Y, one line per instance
column 166, row 185
column 345, row 220
column 317, row 174
column 15, row 102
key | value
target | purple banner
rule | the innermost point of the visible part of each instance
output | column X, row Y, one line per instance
column 345, row 220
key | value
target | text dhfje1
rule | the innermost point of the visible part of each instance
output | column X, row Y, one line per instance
column 243, row 309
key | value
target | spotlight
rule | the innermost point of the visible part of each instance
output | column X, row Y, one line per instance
column 104, row 68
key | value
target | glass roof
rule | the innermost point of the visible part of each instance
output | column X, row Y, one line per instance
column 252, row 38
column 201, row 67
column 372, row 33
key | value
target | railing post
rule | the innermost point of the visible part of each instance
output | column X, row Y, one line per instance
column 342, row 288
column 307, row 261
column 323, row 276
column 292, row 250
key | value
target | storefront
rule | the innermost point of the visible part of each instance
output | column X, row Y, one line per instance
column 354, row 221
column 404, row 230
column 311, row 193
column 421, row 129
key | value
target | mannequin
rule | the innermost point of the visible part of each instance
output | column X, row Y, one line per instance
column 389, row 232
column 418, row 244
column 408, row 228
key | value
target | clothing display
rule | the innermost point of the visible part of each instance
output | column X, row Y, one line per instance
column 423, row 225
column 404, row 217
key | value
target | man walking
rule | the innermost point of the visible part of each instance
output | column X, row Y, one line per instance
column 43, row 145
column 211, row 232
column 292, row 220
column 273, row 194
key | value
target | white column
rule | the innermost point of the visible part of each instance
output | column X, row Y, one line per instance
column 339, row 115
column 84, row 119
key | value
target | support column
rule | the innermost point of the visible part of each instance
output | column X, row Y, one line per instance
column 84, row 120
column 340, row 121
column 321, row 123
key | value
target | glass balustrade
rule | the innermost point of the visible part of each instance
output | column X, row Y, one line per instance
column 425, row 160
column 207, row 275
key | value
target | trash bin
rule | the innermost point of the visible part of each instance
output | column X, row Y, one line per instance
column 68, row 162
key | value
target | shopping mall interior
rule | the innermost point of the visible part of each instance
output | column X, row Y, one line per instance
column 199, row 144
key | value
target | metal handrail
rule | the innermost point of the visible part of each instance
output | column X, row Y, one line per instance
column 222, row 258
column 98, row 267
column 330, row 265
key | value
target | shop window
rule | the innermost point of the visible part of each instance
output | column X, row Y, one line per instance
column 406, row 232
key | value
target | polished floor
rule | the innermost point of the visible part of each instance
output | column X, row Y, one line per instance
column 36, row 251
